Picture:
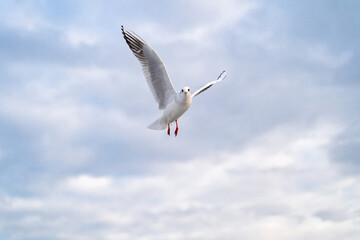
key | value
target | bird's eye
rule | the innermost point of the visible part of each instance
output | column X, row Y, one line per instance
column 182, row 90
column 189, row 89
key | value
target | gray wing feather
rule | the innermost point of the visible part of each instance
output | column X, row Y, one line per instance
column 153, row 68
column 221, row 77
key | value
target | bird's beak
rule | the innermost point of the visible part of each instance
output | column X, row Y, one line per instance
column 186, row 92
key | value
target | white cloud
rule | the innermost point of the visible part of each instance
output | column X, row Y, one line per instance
column 87, row 184
column 77, row 38
column 20, row 204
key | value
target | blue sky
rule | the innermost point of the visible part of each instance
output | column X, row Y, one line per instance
column 271, row 152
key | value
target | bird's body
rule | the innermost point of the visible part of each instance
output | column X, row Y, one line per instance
column 173, row 104
column 173, row 111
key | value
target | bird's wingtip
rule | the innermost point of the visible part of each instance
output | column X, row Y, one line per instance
column 124, row 29
column 222, row 75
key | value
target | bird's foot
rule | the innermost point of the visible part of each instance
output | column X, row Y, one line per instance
column 176, row 131
column 168, row 132
column 177, row 128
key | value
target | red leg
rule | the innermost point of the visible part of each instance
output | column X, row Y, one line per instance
column 169, row 129
column 177, row 128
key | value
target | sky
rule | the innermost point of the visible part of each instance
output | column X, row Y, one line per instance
column 272, row 152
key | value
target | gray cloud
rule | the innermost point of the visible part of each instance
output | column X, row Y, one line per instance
column 345, row 150
column 333, row 215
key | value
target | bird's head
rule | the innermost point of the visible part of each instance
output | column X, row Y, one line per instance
column 185, row 90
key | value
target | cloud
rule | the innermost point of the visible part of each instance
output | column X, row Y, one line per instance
column 270, row 153
column 85, row 183
column 344, row 150
column 251, row 193
column 335, row 215
column 77, row 38
column 24, row 16
column 58, row 117
column 197, row 27
column 47, row 46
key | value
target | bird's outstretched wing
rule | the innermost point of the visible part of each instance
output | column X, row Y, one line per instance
column 153, row 68
column 221, row 77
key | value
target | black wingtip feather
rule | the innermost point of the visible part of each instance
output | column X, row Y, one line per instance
column 221, row 75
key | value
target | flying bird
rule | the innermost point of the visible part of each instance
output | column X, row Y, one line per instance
column 173, row 104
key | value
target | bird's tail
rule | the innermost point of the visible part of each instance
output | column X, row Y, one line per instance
column 158, row 124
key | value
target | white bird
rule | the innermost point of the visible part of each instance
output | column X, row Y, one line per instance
column 172, row 103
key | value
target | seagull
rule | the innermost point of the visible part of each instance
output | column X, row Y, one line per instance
column 173, row 104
